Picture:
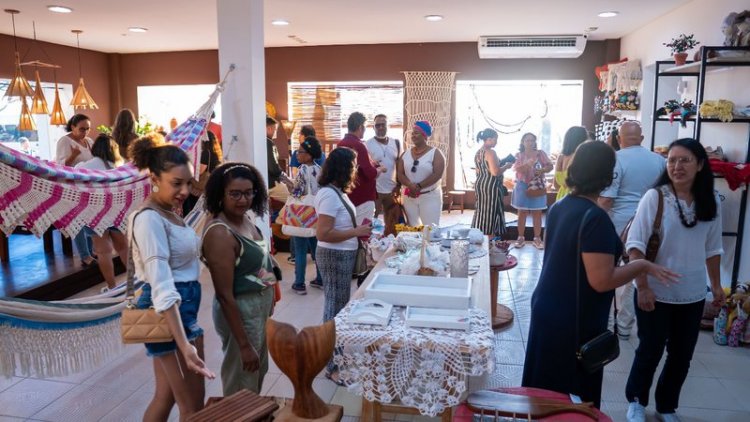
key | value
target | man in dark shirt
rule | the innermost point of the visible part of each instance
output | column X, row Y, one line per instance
column 363, row 195
column 272, row 154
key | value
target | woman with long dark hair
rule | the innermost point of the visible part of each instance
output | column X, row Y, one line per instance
column 574, row 136
column 691, row 242
column 561, row 319
column 337, row 234
column 489, row 216
column 124, row 130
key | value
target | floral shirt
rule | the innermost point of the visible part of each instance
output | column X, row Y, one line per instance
column 306, row 182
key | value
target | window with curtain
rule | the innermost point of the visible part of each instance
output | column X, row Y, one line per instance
column 327, row 105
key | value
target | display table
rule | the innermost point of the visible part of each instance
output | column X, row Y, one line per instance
column 501, row 314
column 424, row 370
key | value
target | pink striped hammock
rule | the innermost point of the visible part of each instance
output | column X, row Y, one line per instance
column 38, row 194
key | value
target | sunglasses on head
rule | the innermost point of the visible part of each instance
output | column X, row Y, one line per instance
column 414, row 166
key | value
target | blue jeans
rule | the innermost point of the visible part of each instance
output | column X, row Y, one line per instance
column 83, row 244
column 300, row 247
column 190, row 301
column 671, row 326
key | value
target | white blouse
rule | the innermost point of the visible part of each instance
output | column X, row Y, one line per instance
column 423, row 170
column 683, row 250
column 163, row 253
column 65, row 147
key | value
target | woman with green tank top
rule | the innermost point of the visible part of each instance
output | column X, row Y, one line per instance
column 242, row 272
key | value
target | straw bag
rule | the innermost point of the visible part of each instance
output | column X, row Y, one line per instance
column 141, row 325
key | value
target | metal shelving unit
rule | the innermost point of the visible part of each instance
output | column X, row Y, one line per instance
column 699, row 69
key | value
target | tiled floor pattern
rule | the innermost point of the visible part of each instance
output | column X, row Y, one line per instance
column 716, row 390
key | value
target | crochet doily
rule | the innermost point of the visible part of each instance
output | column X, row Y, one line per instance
column 423, row 368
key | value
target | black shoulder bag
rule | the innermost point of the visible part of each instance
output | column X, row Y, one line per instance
column 604, row 348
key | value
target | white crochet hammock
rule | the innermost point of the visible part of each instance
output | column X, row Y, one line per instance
column 428, row 97
column 47, row 339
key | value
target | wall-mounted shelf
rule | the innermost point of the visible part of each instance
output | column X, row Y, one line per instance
column 694, row 68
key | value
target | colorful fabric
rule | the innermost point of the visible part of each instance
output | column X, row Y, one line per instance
column 424, row 127
column 297, row 215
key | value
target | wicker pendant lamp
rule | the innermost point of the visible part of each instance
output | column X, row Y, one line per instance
column 26, row 122
column 38, row 102
column 81, row 99
column 19, row 86
column 57, row 117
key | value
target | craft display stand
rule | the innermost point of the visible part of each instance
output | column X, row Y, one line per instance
column 501, row 314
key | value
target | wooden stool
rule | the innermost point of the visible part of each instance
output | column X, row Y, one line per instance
column 456, row 198
column 242, row 406
column 373, row 411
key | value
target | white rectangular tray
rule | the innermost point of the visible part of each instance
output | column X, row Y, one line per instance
column 415, row 290
column 452, row 319
column 371, row 311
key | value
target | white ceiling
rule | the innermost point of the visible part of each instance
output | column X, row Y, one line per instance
column 191, row 24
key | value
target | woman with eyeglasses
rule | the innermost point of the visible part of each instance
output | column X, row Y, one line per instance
column 238, row 258
column 419, row 170
column 691, row 242
column 72, row 148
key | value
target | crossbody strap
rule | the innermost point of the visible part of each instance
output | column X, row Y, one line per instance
column 659, row 211
column 351, row 212
column 579, row 259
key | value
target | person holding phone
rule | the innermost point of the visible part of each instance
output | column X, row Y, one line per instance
column 489, row 216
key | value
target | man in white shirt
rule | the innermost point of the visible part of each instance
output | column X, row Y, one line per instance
column 384, row 151
column 636, row 171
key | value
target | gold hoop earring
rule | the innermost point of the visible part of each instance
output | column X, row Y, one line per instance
column 155, row 189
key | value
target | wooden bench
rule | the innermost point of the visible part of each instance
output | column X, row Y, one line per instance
column 242, row 406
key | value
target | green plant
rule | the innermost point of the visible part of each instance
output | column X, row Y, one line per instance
column 142, row 127
column 682, row 43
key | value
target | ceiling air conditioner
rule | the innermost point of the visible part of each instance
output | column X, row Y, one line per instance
column 531, row 47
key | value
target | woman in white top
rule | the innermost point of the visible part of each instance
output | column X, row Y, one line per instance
column 419, row 170
column 165, row 254
column 691, row 244
column 106, row 157
column 337, row 234
column 74, row 148
column 305, row 185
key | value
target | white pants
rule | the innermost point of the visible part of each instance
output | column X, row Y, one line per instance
column 425, row 209
column 365, row 210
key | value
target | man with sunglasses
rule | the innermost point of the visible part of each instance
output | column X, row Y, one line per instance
column 384, row 151
column 363, row 195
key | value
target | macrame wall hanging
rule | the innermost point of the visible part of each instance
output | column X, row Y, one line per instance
column 428, row 97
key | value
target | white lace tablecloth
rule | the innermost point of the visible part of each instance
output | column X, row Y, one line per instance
column 423, row 368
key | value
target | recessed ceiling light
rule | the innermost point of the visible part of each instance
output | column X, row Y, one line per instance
column 59, row 9
column 434, row 18
column 608, row 14
column 280, row 22
column 137, row 29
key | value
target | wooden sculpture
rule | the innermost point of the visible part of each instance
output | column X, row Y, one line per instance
column 493, row 403
column 301, row 356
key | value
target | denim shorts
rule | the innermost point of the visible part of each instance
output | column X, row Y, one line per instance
column 190, row 294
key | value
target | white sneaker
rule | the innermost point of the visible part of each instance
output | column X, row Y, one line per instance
column 668, row 417
column 636, row 412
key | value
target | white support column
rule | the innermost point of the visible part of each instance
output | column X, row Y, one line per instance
column 243, row 105
column 240, row 26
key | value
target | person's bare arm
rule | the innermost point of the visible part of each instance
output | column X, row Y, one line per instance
column 604, row 275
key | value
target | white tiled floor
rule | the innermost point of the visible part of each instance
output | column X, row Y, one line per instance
column 716, row 390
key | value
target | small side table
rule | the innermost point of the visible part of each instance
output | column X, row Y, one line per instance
column 501, row 314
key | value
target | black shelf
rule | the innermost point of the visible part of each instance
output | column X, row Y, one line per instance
column 699, row 69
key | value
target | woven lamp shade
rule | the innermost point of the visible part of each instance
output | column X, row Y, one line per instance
column 18, row 86
column 26, row 122
column 57, row 117
column 82, row 98
column 38, row 102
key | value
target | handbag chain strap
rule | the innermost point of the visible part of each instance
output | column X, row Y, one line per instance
column 579, row 259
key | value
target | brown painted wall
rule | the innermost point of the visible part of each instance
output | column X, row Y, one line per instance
column 93, row 63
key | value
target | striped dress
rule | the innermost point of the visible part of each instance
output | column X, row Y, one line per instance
column 489, row 216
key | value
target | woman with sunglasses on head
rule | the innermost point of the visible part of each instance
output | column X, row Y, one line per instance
column 691, row 242
column 239, row 260
column 419, row 170
column 165, row 256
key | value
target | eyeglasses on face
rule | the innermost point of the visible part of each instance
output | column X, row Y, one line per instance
column 681, row 160
column 236, row 195
column 414, row 167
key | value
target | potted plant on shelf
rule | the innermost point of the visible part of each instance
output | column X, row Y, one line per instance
column 680, row 45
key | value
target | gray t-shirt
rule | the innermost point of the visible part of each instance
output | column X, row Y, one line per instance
column 636, row 171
